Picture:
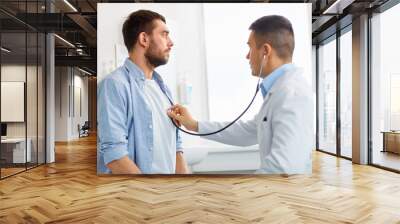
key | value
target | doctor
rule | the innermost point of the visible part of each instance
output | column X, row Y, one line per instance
column 283, row 127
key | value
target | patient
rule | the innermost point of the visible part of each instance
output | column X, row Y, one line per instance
column 134, row 133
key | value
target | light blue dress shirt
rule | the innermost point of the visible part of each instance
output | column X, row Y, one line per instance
column 125, row 120
column 269, row 81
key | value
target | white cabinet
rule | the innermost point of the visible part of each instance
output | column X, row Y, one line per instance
column 223, row 159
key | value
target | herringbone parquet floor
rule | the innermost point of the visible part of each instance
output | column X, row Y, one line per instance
column 70, row 192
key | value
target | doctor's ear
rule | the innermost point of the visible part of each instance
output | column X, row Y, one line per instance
column 267, row 49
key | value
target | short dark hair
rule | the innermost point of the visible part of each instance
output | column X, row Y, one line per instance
column 137, row 22
column 277, row 31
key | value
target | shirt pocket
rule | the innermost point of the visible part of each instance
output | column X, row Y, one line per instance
column 263, row 127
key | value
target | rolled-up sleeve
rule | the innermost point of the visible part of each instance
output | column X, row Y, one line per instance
column 112, row 122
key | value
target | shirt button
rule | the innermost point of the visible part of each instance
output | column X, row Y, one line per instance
column 151, row 148
column 150, row 126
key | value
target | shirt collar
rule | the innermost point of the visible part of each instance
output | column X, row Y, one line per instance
column 133, row 69
column 138, row 73
column 269, row 81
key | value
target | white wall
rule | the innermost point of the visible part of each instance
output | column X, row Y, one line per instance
column 61, row 103
column 66, row 121
column 80, row 83
column 230, row 83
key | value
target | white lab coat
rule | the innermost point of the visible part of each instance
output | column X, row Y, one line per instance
column 283, row 128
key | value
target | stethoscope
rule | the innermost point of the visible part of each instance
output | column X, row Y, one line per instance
column 231, row 123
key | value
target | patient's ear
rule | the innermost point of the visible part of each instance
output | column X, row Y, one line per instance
column 143, row 40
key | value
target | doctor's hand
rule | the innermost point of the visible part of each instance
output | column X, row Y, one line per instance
column 181, row 116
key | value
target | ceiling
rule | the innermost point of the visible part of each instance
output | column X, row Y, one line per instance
column 76, row 21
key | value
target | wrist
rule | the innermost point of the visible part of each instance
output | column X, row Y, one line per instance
column 196, row 126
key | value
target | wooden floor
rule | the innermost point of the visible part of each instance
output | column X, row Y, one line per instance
column 10, row 171
column 70, row 192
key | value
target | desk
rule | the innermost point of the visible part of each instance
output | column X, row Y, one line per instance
column 391, row 141
column 13, row 150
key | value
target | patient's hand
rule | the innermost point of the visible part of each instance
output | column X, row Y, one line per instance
column 182, row 117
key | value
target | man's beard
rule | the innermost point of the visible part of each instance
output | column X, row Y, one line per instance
column 154, row 59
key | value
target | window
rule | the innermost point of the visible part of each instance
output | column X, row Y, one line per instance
column 394, row 102
column 385, row 89
column 327, row 97
column 346, row 94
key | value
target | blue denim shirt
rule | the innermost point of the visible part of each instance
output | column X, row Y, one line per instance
column 269, row 81
column 124, row 119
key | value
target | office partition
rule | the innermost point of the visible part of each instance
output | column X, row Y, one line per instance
column 22, row 77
